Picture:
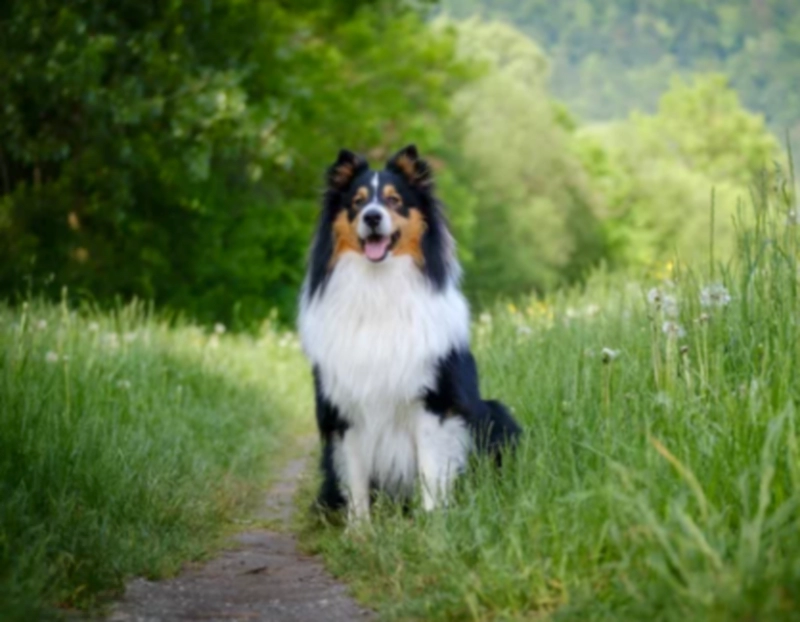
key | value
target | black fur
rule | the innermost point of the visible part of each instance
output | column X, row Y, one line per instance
column 338, row 179
column 419, row 187
column 457, row 392
column 331, row 426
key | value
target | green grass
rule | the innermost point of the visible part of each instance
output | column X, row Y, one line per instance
column 127, row 445
column 660, row 481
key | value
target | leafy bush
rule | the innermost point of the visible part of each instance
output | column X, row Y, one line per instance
column 173, row 151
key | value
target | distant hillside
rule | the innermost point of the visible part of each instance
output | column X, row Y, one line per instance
column 610, row 57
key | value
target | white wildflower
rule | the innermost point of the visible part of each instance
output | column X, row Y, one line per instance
column 663, row 399
column 715, row 295
column 524, row 330
column 704, row 317
column 129, row 337
column 669, row 305
column 123, row 384
column 51, row 357
column 662, row 301
column 219, row 328
column 673, row 330
column 111, row 340
column 608, row 355
column 485, row 318
column 792, row 217
column 94, row 327
column 591, row 310
column 41, row 324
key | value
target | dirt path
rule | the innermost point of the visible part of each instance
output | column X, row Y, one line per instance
column 261, row 577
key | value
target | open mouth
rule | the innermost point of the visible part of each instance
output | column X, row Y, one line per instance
column 377, row 247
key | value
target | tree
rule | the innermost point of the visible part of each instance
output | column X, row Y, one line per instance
column 174, row 151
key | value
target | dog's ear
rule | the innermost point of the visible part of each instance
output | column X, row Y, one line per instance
column 407, row 163
column 344, row 170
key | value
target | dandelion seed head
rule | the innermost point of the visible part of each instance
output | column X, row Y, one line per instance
column 654, row 296
column 666, row 303
column 714, row 295
column 591, row 310
column 51, row 357
column 219, row 328
column 608, row 355
column 704, row 317
column 123, row 384
column 94, row 327
column 41, row 324
column 673, row 330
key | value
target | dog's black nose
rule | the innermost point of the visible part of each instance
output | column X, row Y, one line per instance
column 372, row 219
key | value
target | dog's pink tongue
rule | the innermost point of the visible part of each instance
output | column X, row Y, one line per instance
column 375, row 249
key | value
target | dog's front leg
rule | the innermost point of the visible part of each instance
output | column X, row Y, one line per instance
column 356, row 477
column 443, row 445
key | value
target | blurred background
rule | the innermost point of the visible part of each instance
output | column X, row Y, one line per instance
column 174, row 151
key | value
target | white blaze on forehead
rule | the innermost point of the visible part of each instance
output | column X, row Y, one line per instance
column 385, row 227
column 375, row 201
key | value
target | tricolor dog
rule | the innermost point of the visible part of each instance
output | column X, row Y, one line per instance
column 386, row 328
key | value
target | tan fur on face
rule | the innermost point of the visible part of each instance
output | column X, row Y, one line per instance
column 411, row 231
column 345, row 237
column 361, row 194
column 390, row 192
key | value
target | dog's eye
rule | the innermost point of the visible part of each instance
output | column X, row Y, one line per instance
column 393, row 202
column 358, row 202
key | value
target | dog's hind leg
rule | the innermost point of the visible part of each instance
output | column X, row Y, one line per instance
column 496, row 431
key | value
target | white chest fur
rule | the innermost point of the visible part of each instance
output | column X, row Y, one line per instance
column 376, row 333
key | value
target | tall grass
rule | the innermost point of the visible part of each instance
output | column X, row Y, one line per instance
column 126, row 445
column 660, row 476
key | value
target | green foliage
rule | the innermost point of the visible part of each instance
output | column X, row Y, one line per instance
column 657, row 172
column 613, row 56
column 535, row 215
column 174, row 151
column 127, row 445
column 658, row 479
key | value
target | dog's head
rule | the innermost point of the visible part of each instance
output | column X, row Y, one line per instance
column 382, row 216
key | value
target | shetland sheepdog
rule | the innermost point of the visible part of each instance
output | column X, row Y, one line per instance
column 386, row 328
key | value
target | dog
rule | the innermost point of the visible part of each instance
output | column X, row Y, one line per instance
column 386, row 328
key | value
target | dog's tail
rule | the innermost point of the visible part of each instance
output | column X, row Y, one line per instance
column 496, row 431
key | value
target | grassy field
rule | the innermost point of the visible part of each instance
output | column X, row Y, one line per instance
column 127, row 445
column 659, row 478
